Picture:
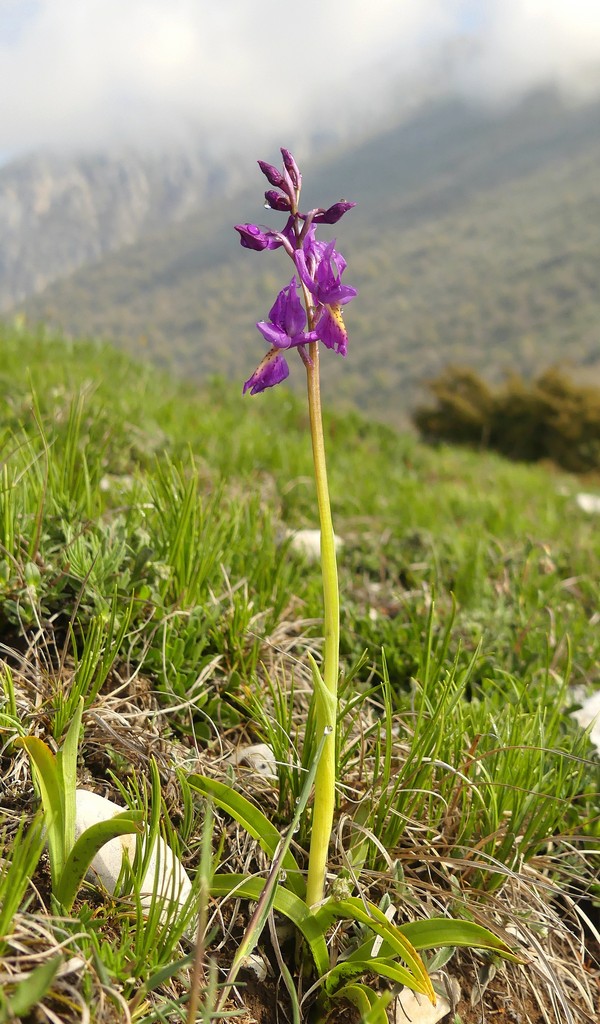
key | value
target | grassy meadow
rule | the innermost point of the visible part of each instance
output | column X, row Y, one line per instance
column 146, row 567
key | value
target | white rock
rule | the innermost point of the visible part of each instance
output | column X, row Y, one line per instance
column 416, row 1009
column 258, row 757
column 588, row 502
column 308, row 543
column 589, row 714
column 165, row 875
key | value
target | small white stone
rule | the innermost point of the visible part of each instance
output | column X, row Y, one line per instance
column 308, row 543
column 257, row 964
column 589, row 714
column 417, row 1009
column 165, row 875
column 588, row 502
column 258, row 757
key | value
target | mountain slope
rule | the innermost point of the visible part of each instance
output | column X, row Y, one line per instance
column 474, row 241
column 59, row 212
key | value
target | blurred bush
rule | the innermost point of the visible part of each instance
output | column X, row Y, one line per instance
column 549, row 418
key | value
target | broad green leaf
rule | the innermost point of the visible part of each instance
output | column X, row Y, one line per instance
column 86, row 848
column 50, row 784
column 254, row 822
column 437, row 933
column 383, row 966
column 66, row 760
column 260, row 915
column 368, row 1003
column 33, row 988
column 355, row 909
column 441, row 931
column 286, row 903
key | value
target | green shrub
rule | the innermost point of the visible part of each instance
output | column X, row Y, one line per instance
column 550, row 418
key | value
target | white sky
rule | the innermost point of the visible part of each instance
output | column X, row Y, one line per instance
column 88, row 72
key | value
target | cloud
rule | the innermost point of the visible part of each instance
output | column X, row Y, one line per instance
column 522, row 44
column 84, row 72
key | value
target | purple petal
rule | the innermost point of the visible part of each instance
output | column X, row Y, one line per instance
column 274, row 335
column 303, row 269
column 271, row 371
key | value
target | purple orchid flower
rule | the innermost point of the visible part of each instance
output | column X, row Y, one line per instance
column 320, row 268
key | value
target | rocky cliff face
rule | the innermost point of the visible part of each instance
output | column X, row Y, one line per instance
column 59, row 213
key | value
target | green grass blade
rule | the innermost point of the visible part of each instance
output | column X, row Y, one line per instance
column 33, row 988
column 254, row 822
column 16, row 872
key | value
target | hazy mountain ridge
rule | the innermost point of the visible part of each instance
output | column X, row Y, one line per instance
column 475, row 240
column 59, row 213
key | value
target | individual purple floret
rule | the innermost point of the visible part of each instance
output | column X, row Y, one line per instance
column 272, row 370
column 288, row 320
column 321, row 267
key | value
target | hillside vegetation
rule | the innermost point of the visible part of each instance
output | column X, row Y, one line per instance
column 145, row 565
column 474, row 242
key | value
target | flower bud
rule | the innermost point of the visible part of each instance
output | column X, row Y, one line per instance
column 276, row 201
column 271, row 173
column 292, row 168
column 333, row 214
column 252, row 237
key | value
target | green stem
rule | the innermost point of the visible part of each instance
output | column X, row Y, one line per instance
column 325, row 708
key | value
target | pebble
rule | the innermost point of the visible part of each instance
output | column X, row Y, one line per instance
column 589, row 714
column 308, row 543
column 165, row 875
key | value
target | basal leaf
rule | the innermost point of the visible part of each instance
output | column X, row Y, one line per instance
column 369, row 1004
column 383, row 966
column 49, row 780
column 286, row 903
column 441, row 931
column 355, row 909
column 66, row 760
column 86, row 848
column 254, row 822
